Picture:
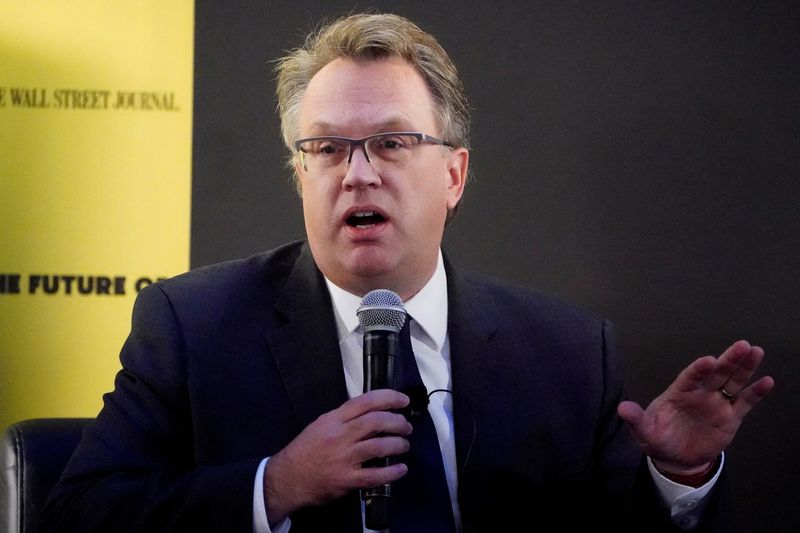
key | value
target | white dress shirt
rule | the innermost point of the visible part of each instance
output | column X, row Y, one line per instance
column 428, row 311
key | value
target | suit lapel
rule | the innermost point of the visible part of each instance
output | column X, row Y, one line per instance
column 306, row 349
column 483, row 408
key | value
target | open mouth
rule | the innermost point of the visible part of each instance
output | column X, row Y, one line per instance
column 365, row 219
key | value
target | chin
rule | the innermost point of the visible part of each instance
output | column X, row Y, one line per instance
column 371, row 269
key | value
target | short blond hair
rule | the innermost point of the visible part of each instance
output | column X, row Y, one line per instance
column 370, row 36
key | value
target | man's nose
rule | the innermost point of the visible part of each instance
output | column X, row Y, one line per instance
column 359, row 171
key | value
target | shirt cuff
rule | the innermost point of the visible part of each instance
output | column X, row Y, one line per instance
column 260, row 520
column 686, row 504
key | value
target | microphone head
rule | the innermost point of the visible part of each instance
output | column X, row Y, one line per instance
column 381, row 309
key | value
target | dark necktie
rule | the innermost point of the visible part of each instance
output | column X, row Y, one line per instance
column 420, row 499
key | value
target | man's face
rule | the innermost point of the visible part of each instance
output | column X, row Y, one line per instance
column 397, row 248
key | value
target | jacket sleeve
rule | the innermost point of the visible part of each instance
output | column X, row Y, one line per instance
column 135, row 468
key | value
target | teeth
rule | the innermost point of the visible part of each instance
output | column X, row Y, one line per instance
column 362, row 224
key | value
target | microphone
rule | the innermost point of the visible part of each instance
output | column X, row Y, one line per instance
column 381, row 316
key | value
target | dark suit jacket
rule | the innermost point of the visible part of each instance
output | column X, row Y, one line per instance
column 226, row 364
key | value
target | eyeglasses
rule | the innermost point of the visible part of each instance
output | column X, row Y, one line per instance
column 392, row 149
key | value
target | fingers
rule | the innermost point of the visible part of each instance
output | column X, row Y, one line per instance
column 385, row 445
column 749, row 358
column 380, row 434
column 728, row 365
column 734, row 370
column 727, row 377
column 750, row 396
column 362, row 418
column 379, row 423
column 377, row 400
column 731, row 370
column 696, row 374
column 373, row 477
column 373, row 429
column 327, row 458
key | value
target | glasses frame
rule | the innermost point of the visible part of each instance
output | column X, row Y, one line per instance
column 362, row 142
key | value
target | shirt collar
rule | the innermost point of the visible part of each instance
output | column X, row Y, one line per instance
column 428, row 307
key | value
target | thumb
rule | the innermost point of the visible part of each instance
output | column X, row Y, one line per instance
column 633, row 416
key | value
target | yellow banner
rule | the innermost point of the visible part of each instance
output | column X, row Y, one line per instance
column 95, row 184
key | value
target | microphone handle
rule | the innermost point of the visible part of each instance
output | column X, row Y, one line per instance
column 380, row 350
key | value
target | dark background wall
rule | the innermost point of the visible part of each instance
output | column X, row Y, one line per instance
column 639, row 158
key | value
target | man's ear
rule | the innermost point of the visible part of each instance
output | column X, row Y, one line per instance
column 457, row 167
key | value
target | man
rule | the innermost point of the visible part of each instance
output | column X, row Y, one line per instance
column 240, row 408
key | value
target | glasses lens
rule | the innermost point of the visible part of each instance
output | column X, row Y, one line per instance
column 324, row 154
column 394, row 150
